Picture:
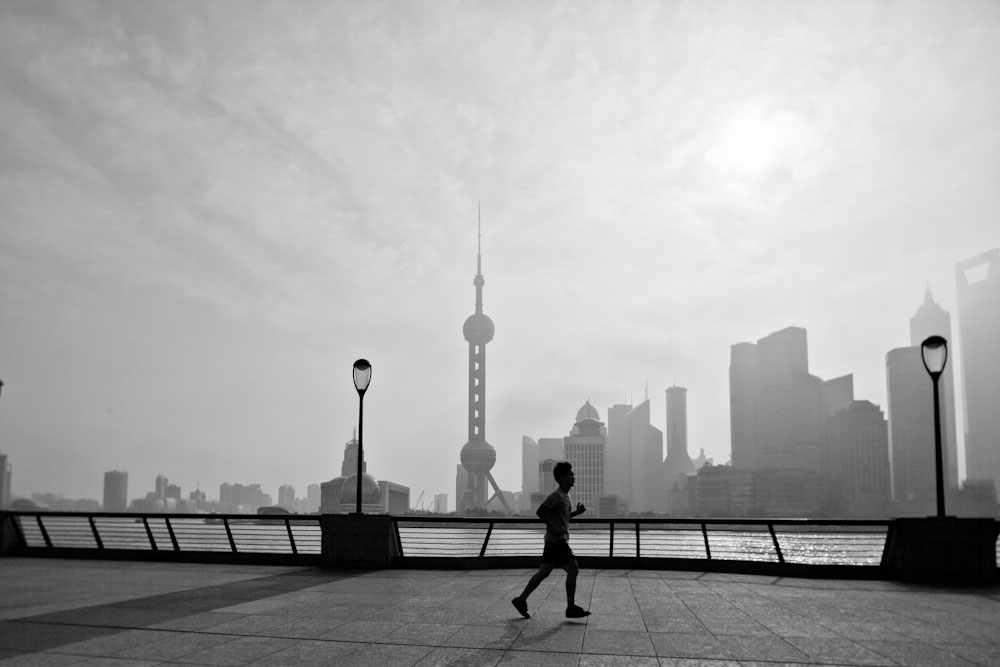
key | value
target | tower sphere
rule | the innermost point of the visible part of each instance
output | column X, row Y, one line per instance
column 478, row 456
column 478, row 329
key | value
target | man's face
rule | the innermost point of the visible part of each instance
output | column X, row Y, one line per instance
column 569, row 479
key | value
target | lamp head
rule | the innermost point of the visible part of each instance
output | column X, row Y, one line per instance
column 934, row 352
column 362, row 375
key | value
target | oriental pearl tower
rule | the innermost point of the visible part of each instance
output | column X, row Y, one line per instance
column 478, row 456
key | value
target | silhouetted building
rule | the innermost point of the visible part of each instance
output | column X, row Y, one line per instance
column 612, row 506
column 646, row 492
column 911, row 431
column 312, row 498
column 115, row 491
column 461, row 482
column 584, row 448
column 440, row 503
column 978, row 283
column 243, row 498
column 394, row 498
column 678, row 463
column 332, row 493
column 286, row 496
column 6, row 473
column 618, row 453
column 858, row 446
column 546, row 480
column 529, row 468
column 724, row 491
column 933, row 320
column 478, row 456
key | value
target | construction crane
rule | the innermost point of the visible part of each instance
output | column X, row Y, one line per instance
column 414, row 504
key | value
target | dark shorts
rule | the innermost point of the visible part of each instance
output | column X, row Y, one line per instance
column 557, row 553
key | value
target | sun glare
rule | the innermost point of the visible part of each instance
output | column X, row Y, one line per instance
column 752, row 142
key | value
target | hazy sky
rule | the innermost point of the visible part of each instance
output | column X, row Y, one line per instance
column 209, row 210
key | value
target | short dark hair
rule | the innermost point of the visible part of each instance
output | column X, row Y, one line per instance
column 560, row 469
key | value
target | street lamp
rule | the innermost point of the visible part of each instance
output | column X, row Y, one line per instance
column 362, row 376
column 934, row 351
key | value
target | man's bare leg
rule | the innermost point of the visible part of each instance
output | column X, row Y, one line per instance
column 521, row 602
column 572, row 611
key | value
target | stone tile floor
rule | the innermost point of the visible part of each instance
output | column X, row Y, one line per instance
column 101, row 613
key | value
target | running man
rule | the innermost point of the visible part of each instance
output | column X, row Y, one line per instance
column 556, row 512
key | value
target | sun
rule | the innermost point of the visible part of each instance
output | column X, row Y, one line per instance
column 752, row 142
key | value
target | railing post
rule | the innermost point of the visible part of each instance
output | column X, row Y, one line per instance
column 611, row 547
column 97, row 536
column 399, row 539
column 291, row 538
column 45, row 533
column 149, row 533
column 638, row 549
column 704, row 534
column 482, row 552
column 170, row 531
column 229, row 534
column 777, row 547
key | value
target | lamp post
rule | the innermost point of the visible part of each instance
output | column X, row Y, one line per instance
column 362, row 376
column 934, row 352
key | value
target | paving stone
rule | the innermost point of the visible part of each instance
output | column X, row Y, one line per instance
column 538, row 659
column 481, row 636
column 617, row 643
column 461, row 657
column 566, row 640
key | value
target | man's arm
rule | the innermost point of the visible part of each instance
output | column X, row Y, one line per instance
column 580, row 509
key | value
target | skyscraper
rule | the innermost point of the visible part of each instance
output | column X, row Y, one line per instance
column 933, row 320
column 618, row 456
column 776, row 405
column 115, row 491
column 911, row 430
column 978, row 283
column 858, row 441
column 585, row 452
column 286, row 496
column 6, row 472
column 645, row 442
column 678, row 460
column 478, row 455
column 529, row 469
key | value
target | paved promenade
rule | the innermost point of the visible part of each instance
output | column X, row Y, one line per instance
column 100, row 613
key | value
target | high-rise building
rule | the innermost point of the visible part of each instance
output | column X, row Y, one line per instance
column 911, row 430
column 6, row 473
column 776, row 405
column 529, row 468
column 551, row 448
column 647, row 492
column 584, row 448
column 333, row 495
column 858, row 444
column 618, row 455
column 440, row 503
column 312, row 498
column 478, row 456
column 286, row 496
column 115, row 491
column 678, row 460
column 546, row 479
column 978, row 283
column 461, row 481
column 933, row 320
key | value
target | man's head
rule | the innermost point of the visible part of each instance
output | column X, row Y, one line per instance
column 563, row 472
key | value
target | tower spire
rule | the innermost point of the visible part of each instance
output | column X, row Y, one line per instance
column 479, row 280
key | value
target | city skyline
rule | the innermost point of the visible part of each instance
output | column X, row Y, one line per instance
column 210, row 212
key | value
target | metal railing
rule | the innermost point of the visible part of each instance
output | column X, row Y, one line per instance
column 780, row 541
column 826, row 547
column 288, row 538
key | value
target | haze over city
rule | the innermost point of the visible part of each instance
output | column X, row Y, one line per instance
column 210, row 210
